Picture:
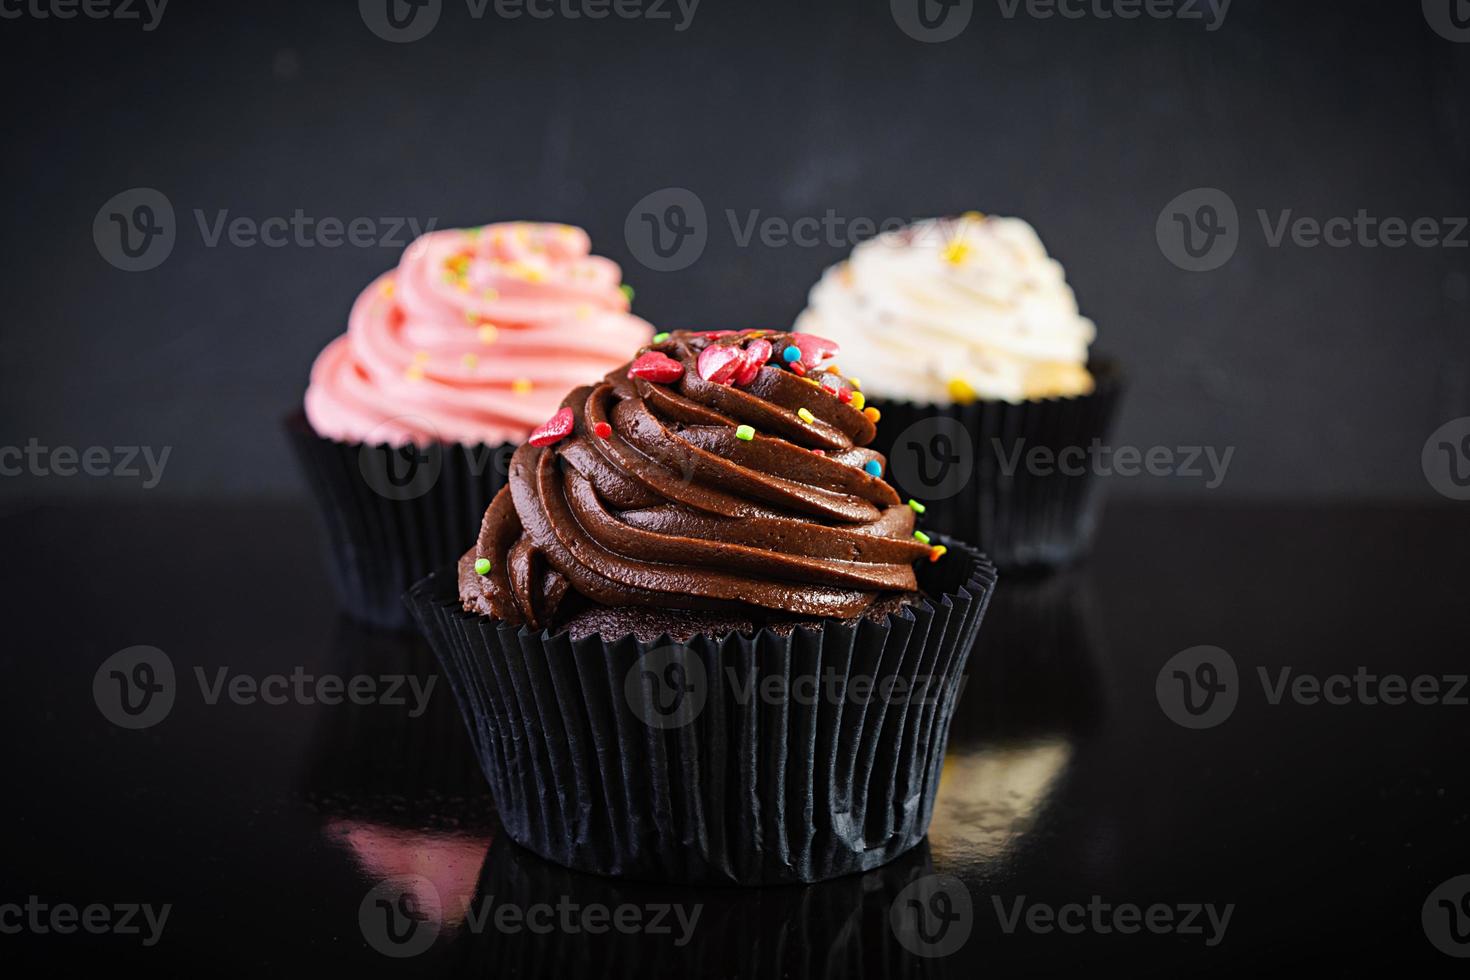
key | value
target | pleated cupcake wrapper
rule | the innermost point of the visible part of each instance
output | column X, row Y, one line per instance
column 838, row 928
column 391, row 519
column 1023, row 520
column 378, row 760
column 750, row 789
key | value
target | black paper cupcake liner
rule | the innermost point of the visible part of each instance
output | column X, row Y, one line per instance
column 968, row 465
column 749, row 775
column 393, row 515
column 836, row 928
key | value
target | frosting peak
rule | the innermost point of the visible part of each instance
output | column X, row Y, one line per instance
column 953, row 309
column 473, row 338
column 684, row 484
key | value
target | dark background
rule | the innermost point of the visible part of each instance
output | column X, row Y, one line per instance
column 1326, row 369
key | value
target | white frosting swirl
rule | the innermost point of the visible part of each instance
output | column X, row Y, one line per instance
column 953, row 309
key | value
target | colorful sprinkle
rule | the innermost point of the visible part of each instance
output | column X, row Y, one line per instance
column 791, row 355
column 798, row 368
column 744, row 432
column 482, row 566
column 856, row 384
column 873, row 467
column 956, row 252
column 873, row 414
column 421, row 357
column 653, row 366
column 659, row 338
column 584, row 311
column 554, row 429
column 844, row 396
column 720, row 363
column 960, row 391
column 806, row 415
column 602, row 430
column 921, row 537
column 470, row 361
column 521, row 386
column 627, row 291
column 859, row 400
column 414, row 372
column 488, row 333
column 916, row 507
column 819, row 452
column 937, row 552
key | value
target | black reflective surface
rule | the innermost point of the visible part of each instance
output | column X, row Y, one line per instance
column 269, row 829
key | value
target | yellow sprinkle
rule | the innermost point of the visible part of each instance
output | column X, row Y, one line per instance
column 535, row 275
column 488, row 333
column 388, row 288
column 584, row 311
column 873, row 415
column 859, row 400
column 805, row 415
column 960, row 391
column 956, row 252
column 490, row 295
column 414, row 373
column 973, row 216
column 855, row 383
column 521, row 386
column 470, row 361
column 421, row 357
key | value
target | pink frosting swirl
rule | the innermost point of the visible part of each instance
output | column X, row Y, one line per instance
column 475, row 337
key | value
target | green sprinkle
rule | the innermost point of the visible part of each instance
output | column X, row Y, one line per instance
column 923, row 538
column 918, row 508
column 659, row 338
column 627, row 291
column 744, row 432
column 805, row 415
column 482, row 566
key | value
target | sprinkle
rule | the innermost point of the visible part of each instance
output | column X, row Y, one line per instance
column 873, row 414
column 844, row 396
column 798, row 368
column 744, row 432
column 858, row 400
column 917, row 507
column 960, row 391
column 819, row 452
column 488, row 333
column 388, row 288
column 482, row 566
column 414, row 373
column 856, row 384
column 937, row 552
column 490, row 295
column 805, row 415
column 584, row 311
column 521, row 386
column 421, row 357
column 654, row 366
column 602, row 430
column 791, row 354
column 627, row 291
column 554, row 429
column 470, row 361
column 921, row 537
column 956, row 252
column 659, row 338
column 873, row 467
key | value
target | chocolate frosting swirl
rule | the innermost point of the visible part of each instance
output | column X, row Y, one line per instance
column 654, row 498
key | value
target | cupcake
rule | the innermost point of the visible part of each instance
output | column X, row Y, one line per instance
column 699, row 637
column 966, row 335
column 447, row 364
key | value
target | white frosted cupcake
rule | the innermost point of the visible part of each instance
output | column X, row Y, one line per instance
column 969, row 319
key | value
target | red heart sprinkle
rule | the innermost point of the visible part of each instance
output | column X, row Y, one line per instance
column 653, row 366
column 554, row 429
column 719, row 363
column 756, row 354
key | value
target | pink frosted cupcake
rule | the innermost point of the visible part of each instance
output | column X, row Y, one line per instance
column 447, row 364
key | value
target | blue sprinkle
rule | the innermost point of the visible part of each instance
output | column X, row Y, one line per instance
column 791, row 354
column 873, row 467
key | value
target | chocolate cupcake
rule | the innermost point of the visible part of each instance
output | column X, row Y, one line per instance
column 678, row 638
column 968, row 337
column 447, row 364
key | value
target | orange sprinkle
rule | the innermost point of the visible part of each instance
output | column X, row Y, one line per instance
column 873, row 414
column 521, row 386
